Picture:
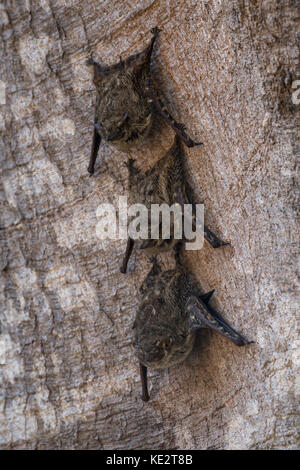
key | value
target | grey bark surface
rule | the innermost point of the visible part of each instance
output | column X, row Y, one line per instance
column 69, row 378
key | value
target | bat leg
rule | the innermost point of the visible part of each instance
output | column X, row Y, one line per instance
column 94, row 152
column 143, row 372
column 155, row 31
column 129, row 248
column 202, row 315
column 91, row 61
column 143, row 59
column 160, row 106
column 213, row 240
column 209, row 236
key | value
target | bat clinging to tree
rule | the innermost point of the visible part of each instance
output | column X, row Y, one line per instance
column 171, row 310
column 127, row 102
column 163, row 183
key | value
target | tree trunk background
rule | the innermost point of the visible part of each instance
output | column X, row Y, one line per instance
column 69, row 378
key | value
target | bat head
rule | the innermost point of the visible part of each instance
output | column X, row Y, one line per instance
column 114, row 127
column 153, row 347
column 159, row 340
column 152, row 339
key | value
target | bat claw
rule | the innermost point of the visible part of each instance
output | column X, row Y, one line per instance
column 191, row 143
column 155, row 31
column 130, row 162
column 90, row 61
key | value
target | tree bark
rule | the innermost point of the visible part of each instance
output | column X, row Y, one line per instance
column 69, row 378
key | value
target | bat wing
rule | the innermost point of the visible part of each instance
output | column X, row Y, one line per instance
column 202, row 315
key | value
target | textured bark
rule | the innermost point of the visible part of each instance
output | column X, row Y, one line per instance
column 69, row 378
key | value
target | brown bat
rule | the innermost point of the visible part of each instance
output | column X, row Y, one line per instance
column 126, row 103
column 171, row 311
column 163, row 183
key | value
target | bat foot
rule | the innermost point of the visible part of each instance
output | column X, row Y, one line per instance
column 130, row 162
column 123, row 270
column 155, row 31
column 91, row 171
column 90, row 61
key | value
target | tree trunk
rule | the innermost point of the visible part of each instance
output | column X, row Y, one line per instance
column 69, row 377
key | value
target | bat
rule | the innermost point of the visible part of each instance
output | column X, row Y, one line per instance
column 163, row 183
column 170, row 312
column 127, row 102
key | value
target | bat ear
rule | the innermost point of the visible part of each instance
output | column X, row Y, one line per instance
column 200, row 315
